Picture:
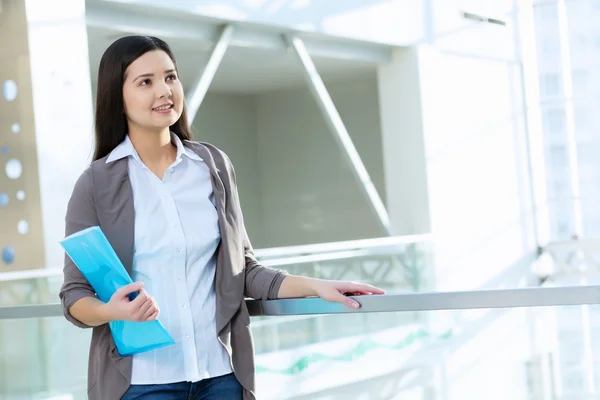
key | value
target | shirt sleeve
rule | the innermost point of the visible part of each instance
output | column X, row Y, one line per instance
column 81, row 214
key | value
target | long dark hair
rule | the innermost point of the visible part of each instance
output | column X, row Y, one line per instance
column 111, row 122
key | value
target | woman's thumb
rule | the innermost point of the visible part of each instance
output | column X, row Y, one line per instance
column 348, row 301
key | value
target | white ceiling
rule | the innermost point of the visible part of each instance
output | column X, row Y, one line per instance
column 243, row 70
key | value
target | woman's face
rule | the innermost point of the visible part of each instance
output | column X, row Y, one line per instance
column 152, row 93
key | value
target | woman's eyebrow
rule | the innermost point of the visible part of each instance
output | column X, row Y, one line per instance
column 150, row 74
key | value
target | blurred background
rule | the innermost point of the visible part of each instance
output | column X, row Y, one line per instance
column 419, row 145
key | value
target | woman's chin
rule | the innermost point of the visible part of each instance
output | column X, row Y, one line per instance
column 164, row 124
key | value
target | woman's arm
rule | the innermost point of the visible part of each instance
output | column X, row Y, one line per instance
column 90, row 311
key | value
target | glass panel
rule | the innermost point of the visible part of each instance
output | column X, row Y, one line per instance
column 548, row 51
column 41, row 290
column 397, row 269
column 581, row 31
column 513, row 353
column 550, row 85
column 584, row 119
column 44, row 358
column 522, row 353
column 554, row 124
column 561, row 216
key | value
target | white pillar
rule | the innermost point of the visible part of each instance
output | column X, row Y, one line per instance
column 403, row 144
column 62, row 98
column 567, row 80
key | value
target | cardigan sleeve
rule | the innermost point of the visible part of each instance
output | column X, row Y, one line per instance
column 261, row 282
column 81, row 214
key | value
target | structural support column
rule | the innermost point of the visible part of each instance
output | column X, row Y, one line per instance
column 567, row 79
column 337, row 127
column 200, row 87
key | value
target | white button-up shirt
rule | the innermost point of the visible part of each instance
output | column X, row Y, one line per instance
column 176, row 237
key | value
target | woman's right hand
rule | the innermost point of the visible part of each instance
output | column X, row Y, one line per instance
column 142, row 308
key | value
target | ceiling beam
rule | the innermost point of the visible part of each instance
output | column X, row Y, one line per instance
column 341, row 135
column 200, row 87
column 123, row 18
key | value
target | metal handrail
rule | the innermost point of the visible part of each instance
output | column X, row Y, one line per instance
column 498, row 298
column 280, row 256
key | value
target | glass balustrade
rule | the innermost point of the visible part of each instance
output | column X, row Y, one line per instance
column 530, row 344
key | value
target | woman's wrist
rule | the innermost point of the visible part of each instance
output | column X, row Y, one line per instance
column 298, row 286
column 105, row 312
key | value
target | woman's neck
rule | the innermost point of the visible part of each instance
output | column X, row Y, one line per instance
column 154, row 148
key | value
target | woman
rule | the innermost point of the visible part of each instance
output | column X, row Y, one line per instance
column 170, row 208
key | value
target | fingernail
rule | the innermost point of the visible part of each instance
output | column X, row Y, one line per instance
column 355, row 305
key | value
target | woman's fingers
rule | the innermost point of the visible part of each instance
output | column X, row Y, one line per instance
column 153, row 316
column 153, row 310
column 141, row 298
column 363, row 288
column 141, row 312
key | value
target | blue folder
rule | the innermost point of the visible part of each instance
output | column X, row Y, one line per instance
column 96, row 259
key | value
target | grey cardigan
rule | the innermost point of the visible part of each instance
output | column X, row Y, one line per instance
column 103, row 197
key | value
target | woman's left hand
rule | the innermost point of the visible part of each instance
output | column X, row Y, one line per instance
column 335, row 291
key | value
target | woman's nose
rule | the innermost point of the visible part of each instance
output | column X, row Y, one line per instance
column 164, row 91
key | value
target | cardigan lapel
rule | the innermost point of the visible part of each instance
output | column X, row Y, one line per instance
column 227, row 285
column 114, row 203
column 217, row 182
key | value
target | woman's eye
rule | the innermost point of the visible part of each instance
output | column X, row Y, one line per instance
column 172, row 77
column 145, row 82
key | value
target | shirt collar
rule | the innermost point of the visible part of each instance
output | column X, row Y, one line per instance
column 183, row 150
column 126, row 149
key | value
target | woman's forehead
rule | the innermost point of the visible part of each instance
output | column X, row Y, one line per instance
column 156, row 61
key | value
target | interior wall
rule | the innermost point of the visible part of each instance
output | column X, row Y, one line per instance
column 309, row 192
column 229, row 122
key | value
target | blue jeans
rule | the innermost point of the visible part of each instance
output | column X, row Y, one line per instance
column 224, row 387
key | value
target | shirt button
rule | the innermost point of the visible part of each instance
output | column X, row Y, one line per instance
column 184, row 306
column 187, row 336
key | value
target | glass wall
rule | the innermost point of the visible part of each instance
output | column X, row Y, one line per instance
column 568, row 50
